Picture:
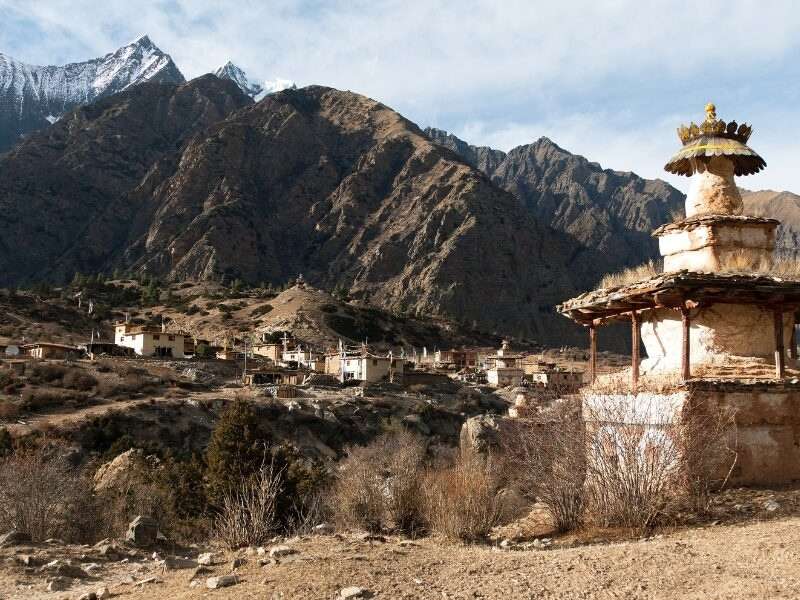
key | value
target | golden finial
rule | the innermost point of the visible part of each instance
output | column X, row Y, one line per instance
column 711, row 112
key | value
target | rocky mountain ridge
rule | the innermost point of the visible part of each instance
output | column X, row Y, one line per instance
column 32, row 97
column 194, row 181
column 252, row 88
column 609, row 214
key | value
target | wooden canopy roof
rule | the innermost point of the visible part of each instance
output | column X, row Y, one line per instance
column 679, row 289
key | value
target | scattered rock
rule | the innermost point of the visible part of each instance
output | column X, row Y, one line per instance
column 88, row 596
column 771, row 506
column 281, row 551
column 103, row 593
column 142, row 531
column 58, row 584
column 14, row 538
column 200, row 570
column 214, row 583
column 29, row 561
column 323, row 529
column 352, row 593
column 371, row 537
column 206, row 558
column 65, row 568
column 237, row 562
column 176, row 562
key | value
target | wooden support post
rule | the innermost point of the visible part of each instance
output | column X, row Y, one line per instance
column 780, row 357
column 686, row 372
column 592, row 353
column 793, row 338
column 635, row 324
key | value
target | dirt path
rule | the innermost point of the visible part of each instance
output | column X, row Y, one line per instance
column 70, row 416
column 756, row 560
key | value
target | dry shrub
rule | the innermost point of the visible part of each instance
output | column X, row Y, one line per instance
column 646, row 457
column 41, row 494
column 464, row 502
column 248, row 515
column 630, row 275
column 46, row 373
column 37, row 399
column 380, row 486
column 544, row 458
column 78, row 379
column 9, row 409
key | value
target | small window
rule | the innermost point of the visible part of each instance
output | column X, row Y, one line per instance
column 156, row 337
column 374, row 362
column 172, row 338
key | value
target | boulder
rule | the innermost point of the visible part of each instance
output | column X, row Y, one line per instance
column 176, row 562
column 222, row 581
column 482, row 434
column 58, row 584
column 65, row 568
column 88, row 596
column 206, row 558
column 281, row 551
column 237, row 562
column 142, row 531
column 352, row 593
column 323, row 529
column 103, row 593
column 14, row 538
column 121, row 471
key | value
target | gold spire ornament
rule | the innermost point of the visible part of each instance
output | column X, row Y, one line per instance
column 715, row 137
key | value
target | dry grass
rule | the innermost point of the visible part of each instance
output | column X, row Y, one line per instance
column 249, row 514
column 464, row 502
column 545, row 460
column 630, row 275
column 380, row 486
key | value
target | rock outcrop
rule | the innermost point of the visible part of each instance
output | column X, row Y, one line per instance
column 609, row 214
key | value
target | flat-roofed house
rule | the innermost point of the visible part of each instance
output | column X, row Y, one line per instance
column 47, row 350
column 150, row 341
column 504, row 369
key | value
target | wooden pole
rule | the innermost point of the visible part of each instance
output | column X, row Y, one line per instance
column 592, row 353
column 780, row 357
column 635, row 324
column 686, row 372
column 793, row 338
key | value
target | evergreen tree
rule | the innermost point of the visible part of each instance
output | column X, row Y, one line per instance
column 237, row 449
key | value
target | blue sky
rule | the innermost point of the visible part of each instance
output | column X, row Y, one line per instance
column 610, row 80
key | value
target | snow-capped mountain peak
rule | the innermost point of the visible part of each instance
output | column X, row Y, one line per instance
column 253, row 89
column 239, row 77
column 32, row 96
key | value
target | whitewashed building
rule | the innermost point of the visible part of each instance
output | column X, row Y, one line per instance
column 150, row 341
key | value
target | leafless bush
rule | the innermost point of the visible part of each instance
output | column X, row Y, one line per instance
column 544, row 458
column 40, row 493
column 379, row 486
column 463, row 502
column 249, row 513
column 77, row 379
column 644, row 457
column 9, row 409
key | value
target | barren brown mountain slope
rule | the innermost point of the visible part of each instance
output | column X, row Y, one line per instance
column 784, row 206
column 176, row 182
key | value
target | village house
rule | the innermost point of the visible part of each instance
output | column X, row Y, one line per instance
column 304, row 358
column 150, row 341
column 550, row 377
column 47, row 350
column 503, row 368
column 95, row 349
column 458, row 359
column 364, row 367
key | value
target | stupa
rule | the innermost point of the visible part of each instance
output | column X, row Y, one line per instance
column 720, row 315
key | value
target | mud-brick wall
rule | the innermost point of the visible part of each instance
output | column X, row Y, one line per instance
column 768, row 427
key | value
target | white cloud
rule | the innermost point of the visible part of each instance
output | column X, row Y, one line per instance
column 610, row 80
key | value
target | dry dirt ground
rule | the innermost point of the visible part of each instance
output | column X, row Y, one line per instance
column 745, row 560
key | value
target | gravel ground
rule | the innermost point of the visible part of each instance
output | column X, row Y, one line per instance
column 745, row 560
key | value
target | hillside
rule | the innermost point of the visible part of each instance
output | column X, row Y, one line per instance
column 196, row 182
column 609, row 214
column 784, row 206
